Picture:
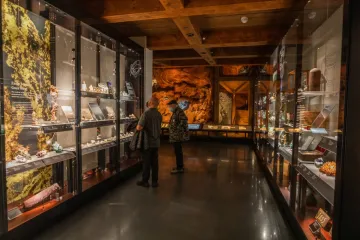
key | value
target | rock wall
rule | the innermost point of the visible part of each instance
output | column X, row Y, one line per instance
column 191, row 87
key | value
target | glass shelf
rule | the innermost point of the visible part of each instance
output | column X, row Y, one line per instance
column 35, row 162
column 94, row 124
column 322, row 183
column 97, row 147
column 128, row 99
column 50, row 128
column 318, row 93
column 97, row 95
column 128, row 120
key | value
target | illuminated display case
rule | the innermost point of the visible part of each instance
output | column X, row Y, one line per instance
column 131, row 101
column 306, row 118
column 39, row 98
column 98, row 104
column 60, row 110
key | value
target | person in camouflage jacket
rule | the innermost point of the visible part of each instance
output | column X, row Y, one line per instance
column 179, row 132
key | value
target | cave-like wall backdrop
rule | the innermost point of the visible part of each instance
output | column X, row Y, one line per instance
column 191, row 87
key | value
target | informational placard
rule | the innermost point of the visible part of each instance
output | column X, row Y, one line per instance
column 323, row 115
column 69, row 113
column 20, row 101
column 96, row 111
column 322, row 218
column 211, row 127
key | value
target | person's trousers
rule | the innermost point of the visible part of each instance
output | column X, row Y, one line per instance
column 150, row 163
column 179, row 155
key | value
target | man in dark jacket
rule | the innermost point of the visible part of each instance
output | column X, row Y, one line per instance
column 179, row 132
column 150, row 122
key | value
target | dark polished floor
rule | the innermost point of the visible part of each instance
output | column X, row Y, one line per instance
column 222, row 195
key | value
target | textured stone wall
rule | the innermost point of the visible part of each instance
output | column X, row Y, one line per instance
column 192, row 87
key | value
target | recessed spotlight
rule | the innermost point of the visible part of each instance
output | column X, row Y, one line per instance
column 203, row 38
column 190, row 34
column 244, row 19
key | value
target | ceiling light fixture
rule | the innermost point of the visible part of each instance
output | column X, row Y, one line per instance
column 244, row 19
column 312, row 15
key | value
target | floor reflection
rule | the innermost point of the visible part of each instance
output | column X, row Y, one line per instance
column 222, row 195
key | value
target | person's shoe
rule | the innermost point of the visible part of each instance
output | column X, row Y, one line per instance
column 177, row 170
column 155, row 185
column 143, row 184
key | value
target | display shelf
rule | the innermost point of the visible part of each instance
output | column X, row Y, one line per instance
column 95, row 179
column 286, row 152
column 50, row 128
column 126, row 139
column 329, row 143
column 97, row 147
column 226, row 128
column 128, row 120
column 28, row 215
column 323, row 184
column 35, row 162
column 128, row 99
column 318, row 93
column 97, row 95
column 94, row 124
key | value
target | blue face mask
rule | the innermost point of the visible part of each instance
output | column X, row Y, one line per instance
column 172, row 109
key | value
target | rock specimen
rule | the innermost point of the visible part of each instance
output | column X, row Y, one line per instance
column 191, row 86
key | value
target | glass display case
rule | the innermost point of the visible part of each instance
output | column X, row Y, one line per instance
column 39, row 128
column 273, row 109
column 131, row 101
column 60, row 108
column 287, row 117
column 98, row 104
column 306, row 116
column 321, row 116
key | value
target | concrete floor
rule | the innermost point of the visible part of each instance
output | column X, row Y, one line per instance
column 223, row 195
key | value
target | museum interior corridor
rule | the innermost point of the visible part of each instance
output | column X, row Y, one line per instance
column 222, row 195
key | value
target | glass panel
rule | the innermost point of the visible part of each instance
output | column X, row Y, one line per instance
column 273, row 117
column 287, row 109
column 37, row 131
column 321, row 112
column 262, row 108
column 98, row 105
column 131, row 84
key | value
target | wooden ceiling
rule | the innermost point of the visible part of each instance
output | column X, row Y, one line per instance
column 196, row 32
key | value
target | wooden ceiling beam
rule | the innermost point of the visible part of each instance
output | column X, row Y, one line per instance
column 239, row 37
column 243, row 61
column 190, row 32
column 128, row 13
column 175, row 54
column 242, row 51
column 187, row 62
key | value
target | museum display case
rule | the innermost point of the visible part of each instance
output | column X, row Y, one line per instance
column 306, row 117
column 60, row 109
column 131, row 101
column 39, row 133
column 98, row 104
column 321, row 117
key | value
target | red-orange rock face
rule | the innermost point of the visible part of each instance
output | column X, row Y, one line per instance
column 185, row 84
